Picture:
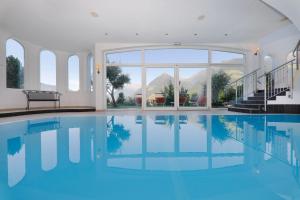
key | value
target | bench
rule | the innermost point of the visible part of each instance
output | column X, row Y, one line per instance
column 37, row 95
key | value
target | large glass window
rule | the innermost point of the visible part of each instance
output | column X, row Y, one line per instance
column 73, row 73
column 221, row 77
column 91, row 71
column 127, row 57
column 176, row 56
column 160, row 87
column 14, row 64
column 192, row 87
column 48, row 71
column 223, row 57
column 171, row 77
column 124, row 87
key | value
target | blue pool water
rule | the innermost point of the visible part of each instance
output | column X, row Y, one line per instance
column 151, row 157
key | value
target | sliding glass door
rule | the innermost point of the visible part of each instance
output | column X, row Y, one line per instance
column 124, row 87
column 160, row 87
column 192, row 87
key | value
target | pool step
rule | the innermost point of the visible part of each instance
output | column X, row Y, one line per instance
column 255, row 103
column 245, row 110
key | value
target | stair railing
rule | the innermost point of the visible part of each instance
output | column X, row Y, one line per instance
column 277, row 81
column 296, row 54
column 244, row 86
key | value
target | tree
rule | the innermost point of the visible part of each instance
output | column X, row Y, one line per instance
column 115, row 81
column 14, row 73
column 168, row 93
column 219, row 82
column 121, row 98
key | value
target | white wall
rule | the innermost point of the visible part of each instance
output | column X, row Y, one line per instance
column 278, row 45
column 14, row 98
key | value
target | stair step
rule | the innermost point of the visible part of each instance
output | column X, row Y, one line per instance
column 252, row 102
column 256, row 98
column 244, row 105
column 261, row 94
column 244, row 110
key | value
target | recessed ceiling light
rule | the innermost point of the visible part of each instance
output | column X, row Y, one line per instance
column 94, row 14
column 201, row 17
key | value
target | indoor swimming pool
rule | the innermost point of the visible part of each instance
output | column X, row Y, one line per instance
column 151, row 157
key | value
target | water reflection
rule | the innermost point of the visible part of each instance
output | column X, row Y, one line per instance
column 116, row 135
column 260, row 148
column 15, row 161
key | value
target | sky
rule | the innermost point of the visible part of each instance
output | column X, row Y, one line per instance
column 161, row 56
column 48, row 65
column 73, row 73
column 48, row 68
column 15, row 49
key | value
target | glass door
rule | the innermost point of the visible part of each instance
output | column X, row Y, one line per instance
column 192, row 87
column 160, row 88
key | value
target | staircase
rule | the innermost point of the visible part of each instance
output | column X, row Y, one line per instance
column 255, row 103
column 277, row 82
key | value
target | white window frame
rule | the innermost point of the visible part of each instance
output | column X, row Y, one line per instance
column 209, row 65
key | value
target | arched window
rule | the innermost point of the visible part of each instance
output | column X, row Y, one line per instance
column 47, row 70
column 91, row 71
column 14, row 64
column 73, row 73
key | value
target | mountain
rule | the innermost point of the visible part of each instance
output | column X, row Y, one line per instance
column 157, row 85
column 195, row 83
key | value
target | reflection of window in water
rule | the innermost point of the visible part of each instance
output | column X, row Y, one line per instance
column 15, row 161
column 49, row 150
column 174, row 164
column 160, row 133
column 127, row 163
column 193, row 136
column 74, row 145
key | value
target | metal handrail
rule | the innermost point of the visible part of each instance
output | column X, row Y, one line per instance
column 296, row 48
column 296, row 54
column 243, row 77
column 291, row 61
column 242, row 89
column 278, row 76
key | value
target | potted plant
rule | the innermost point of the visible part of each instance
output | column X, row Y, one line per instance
column 183, row 96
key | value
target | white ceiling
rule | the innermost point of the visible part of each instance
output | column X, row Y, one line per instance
column 290, row 8
column 68, row 24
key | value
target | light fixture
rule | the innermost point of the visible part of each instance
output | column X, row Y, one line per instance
column 98, row 68
column 256, row 52
column 94, row 14
column 177, row 44
column 201, row 17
